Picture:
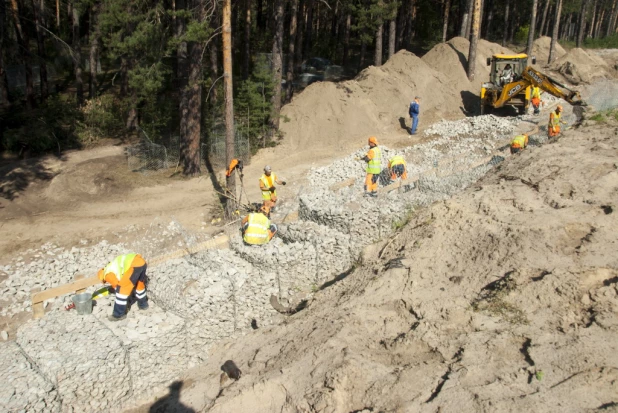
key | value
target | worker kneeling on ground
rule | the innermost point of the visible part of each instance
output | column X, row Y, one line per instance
column 519, row 143
column 397, row 166
column 374, row 167
column 257, row 229
column 126, row 274
column 553, row 128
column 267, row 186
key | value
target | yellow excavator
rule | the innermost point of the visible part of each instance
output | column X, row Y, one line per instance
column 511, row 81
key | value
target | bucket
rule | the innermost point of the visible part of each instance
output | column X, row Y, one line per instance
column 83, row 303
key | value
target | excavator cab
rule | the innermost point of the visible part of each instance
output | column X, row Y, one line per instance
column 505, row 69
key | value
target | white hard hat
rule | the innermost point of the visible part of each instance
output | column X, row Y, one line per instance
column 267, row 168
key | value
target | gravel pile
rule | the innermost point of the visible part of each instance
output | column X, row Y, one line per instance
column 23, row 388
column 488, row 126
column 84, row 360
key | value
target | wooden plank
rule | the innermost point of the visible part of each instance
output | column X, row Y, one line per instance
column 77, row 278
column 343, row 184
column 38, row 310
column 65, row 289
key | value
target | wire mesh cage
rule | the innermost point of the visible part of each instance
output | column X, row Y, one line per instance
column 146, row 155
column 215, row 149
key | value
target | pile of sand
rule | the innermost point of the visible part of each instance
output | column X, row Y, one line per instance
column 540, row 49
column 579, row 66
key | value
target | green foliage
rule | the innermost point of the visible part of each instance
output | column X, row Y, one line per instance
column 397, row 224
column 597, row 117
column 522, row 35
column 100, row 118
column 539, row 375
column 252, row 105
column 369, row 15
column 610, row 42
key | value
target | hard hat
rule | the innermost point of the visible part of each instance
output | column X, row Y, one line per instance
column 101, row 274
column 267, row 168
column 373, row 140
column 559, row 108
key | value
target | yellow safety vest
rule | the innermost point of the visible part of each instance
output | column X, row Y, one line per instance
column 536, row 92
column 374, row 166
column 555, row 120
column 266, row 184
column 397, row 160
column 256, row 232
column 119, row 265
column 518, row 142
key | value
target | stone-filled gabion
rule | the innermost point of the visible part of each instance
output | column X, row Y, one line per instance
column 23, row 388
column 82, row 357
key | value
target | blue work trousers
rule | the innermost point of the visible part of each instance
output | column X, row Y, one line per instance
column 414, row 124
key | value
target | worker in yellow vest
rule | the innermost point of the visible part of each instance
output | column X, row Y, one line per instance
column 536, row 99
column 257, row 228
column 374, row 167
column 519, row 143
column 397, row 167
column 127, row 275
column 553, row 127
column 267, row 186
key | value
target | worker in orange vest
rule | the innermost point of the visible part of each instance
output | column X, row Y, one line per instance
column 374, row 167
column 536, row 100
column 519, row 143
column 267, row 186
column 234, row 164
column 553, row 127
column 126, row 274
column 398, row 168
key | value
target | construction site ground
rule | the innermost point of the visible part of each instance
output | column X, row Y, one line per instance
column 491, row 295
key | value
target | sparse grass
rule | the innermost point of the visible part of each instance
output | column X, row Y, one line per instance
column 397, row 224
column 605, row 116
column 597, row 117
column 539, row 375
column 492, row 300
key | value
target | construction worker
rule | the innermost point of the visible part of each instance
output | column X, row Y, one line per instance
column 127, row 275
column 234, row 164
column 415, row 109
column 553, row 127
column 397, row 166
column 519, row 143
column 256, row 227
column 267, row 186
column 536, row 99
column 374, row 167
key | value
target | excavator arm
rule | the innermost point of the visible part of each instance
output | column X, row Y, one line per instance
column 532, row 77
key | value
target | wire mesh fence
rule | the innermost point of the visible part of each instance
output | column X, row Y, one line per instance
column 146, row 155
column 215, row 149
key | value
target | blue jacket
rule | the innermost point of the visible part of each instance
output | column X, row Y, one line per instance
column 414, row 109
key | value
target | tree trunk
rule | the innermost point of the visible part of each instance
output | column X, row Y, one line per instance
column 593, row 19
column 514, row 25
column 190, row 143
column 611, row 19
column 532, row 27
column 298, row 48
column 4, row 83
column 581, row 29
column 506, row 21
column 77, row 57
column 465, row 19
column 261, row 22
column 378, row 51
column 554, row 37
column 346, row 40
column 490, row 16
column 230, row 149
column 363, row 52
column 247, row 46
column 214, row 60
column 22, row 40
column 447, row 9
column 412, row 22
column 564, row 28
column 290, row 73
column 308, row 29
column 94, row 47
column 476, row 23
column 40, row 41
column 181, row 72
column 544, row 18
column 392, row 34
column 277, row 63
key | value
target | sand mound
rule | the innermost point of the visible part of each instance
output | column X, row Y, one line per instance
column 540, row 49
column 341, row 116
column 578, row 66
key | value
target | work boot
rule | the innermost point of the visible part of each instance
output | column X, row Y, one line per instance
column 143, row 307
column 112, row 318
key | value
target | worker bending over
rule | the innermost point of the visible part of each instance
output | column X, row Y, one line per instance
column 553, row 127
column 267, row 186
column 234, row 164
column 126, row 274
column 256, row 227
column 374, row 167
column 536, row 99
column 397, row 167
column 519, row 143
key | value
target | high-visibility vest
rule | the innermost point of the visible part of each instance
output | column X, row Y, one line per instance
column 119, row 265
column 554, row 120
column 267, row 184
column 397, row 160
column 519, row 141
column 374, row 166
column 536, row 92
column 256, row 232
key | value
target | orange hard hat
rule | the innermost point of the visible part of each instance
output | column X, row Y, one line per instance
column 373, row 140
column 101, row 274
column 559, row 108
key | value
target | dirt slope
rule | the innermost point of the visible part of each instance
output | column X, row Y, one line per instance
column 503, row 298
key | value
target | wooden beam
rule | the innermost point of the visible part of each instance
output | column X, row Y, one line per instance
column 343, row 184
column 81, row 283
